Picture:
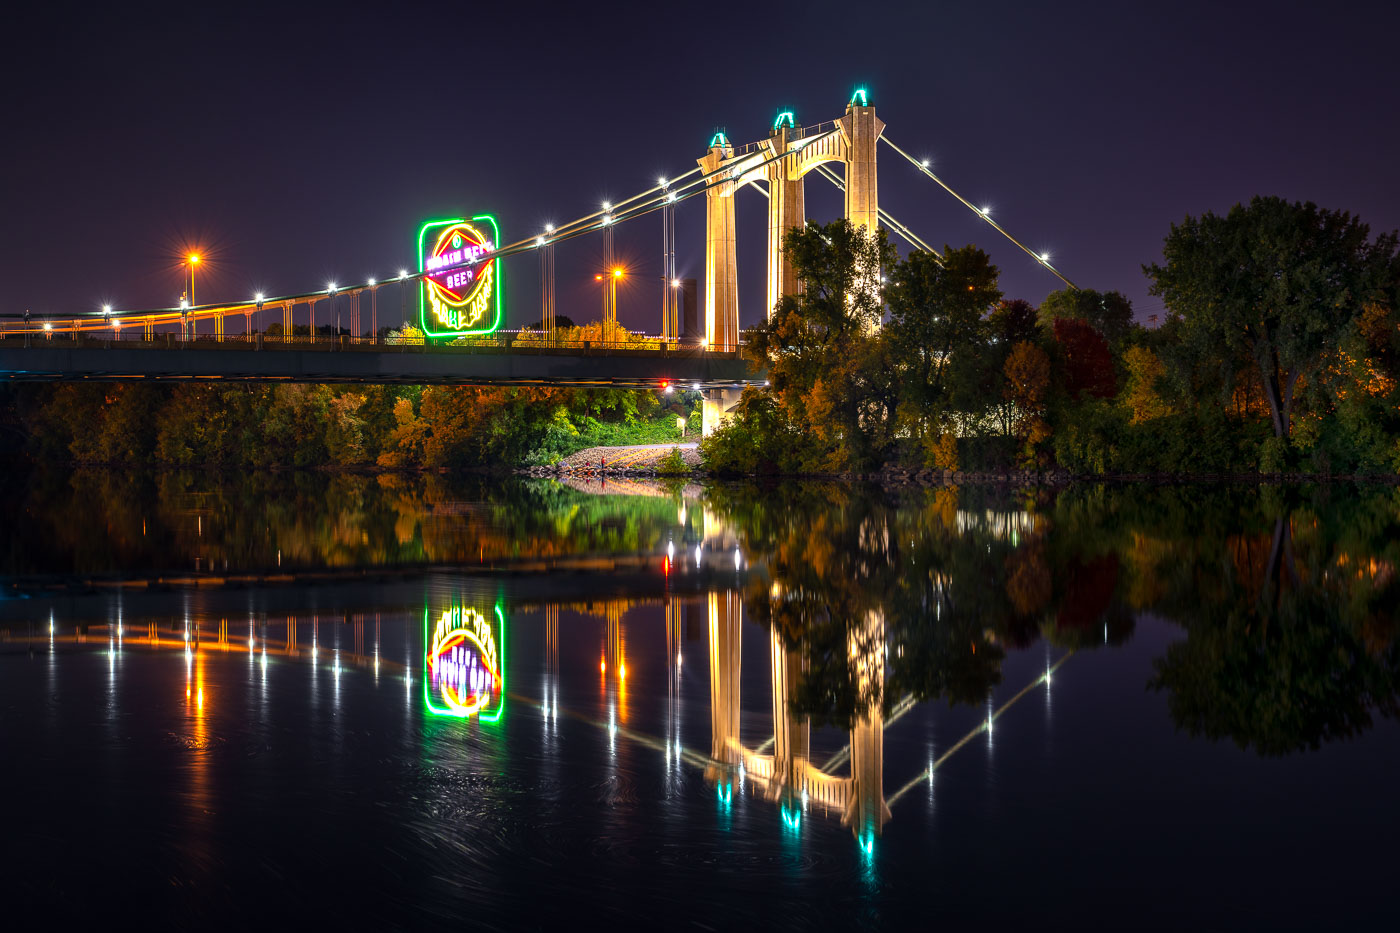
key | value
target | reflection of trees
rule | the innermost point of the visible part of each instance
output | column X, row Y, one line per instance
column 106, row 521
column 1290, row 638
column 1290, row 641
column 834, row 556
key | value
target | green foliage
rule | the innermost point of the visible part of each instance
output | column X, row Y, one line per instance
column 757, row 438
column 1273, row 285
column 1109, row 313
column 673, row 464
column 314, row 425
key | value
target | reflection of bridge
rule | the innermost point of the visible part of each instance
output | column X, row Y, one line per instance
column 787, row 775
column 780, row 770
column 776, row 166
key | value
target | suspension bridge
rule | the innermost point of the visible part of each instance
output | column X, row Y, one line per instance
column 459, row 338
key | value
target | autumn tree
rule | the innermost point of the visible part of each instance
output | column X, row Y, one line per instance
column 1088, row 362
column 821, row 348
column 1027, row 373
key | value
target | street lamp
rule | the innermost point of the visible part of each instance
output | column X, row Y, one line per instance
column 193, row 260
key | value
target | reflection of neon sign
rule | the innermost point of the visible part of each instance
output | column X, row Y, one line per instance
column 460, row 294
column 464, row 667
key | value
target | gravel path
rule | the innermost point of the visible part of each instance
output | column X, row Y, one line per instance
column 637, row 457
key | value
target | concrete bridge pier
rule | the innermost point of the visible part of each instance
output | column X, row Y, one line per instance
column 716, row 408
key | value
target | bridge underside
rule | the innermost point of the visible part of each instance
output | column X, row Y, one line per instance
column 51, row 361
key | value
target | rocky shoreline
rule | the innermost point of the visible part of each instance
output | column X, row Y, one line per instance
column 895, row 475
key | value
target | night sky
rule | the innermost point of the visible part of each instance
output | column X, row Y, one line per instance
column 294, row 146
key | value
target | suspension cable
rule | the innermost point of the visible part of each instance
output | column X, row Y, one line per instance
column 885, row 215
column 980, row 213
column 658, row 196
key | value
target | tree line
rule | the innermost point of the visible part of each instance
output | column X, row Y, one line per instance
column 1280, row 352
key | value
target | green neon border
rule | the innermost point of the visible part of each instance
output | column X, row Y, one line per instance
column 423, row 288
column 436, row 710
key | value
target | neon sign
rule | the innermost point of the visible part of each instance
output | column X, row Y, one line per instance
column 460, row 295
column 464, row 671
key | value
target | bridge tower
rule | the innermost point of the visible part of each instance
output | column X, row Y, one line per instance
column 785, row 209
column 721, row 267
column 861, row 130
column 782, row 160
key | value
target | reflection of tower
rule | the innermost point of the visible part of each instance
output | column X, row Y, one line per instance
column 788, row 771
column 616, row 652
column 866, row 810
column 292, row 636
column 673, row 639
column 791, row 733
column 551, row 639
column 551, row 658
column 726, row 652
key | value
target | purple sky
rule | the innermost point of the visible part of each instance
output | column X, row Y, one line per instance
column 296, row 147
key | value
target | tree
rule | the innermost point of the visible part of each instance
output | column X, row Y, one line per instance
column 1027, row 373
column 821, row 348
column 1141, row 395
column 936, row 323
column 1088, row 362
column 1275, row 283
column 1012, row 322
column 1109, row 313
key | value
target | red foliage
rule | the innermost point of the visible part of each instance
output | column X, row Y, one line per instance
column 1088, row 362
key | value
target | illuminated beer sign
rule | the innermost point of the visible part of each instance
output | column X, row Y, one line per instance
column 464, row 666
column 460, row 295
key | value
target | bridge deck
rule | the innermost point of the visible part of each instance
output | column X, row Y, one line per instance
column 86, row 359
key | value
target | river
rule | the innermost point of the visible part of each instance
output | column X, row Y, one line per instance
column 495, row 704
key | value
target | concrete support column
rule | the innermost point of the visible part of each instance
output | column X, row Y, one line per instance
column 785, row 211
column 715, row 410
column 721, row 266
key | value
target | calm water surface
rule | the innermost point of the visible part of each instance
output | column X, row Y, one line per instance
column 499, row 705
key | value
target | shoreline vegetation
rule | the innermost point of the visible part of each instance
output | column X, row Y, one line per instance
column 1277, row 360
